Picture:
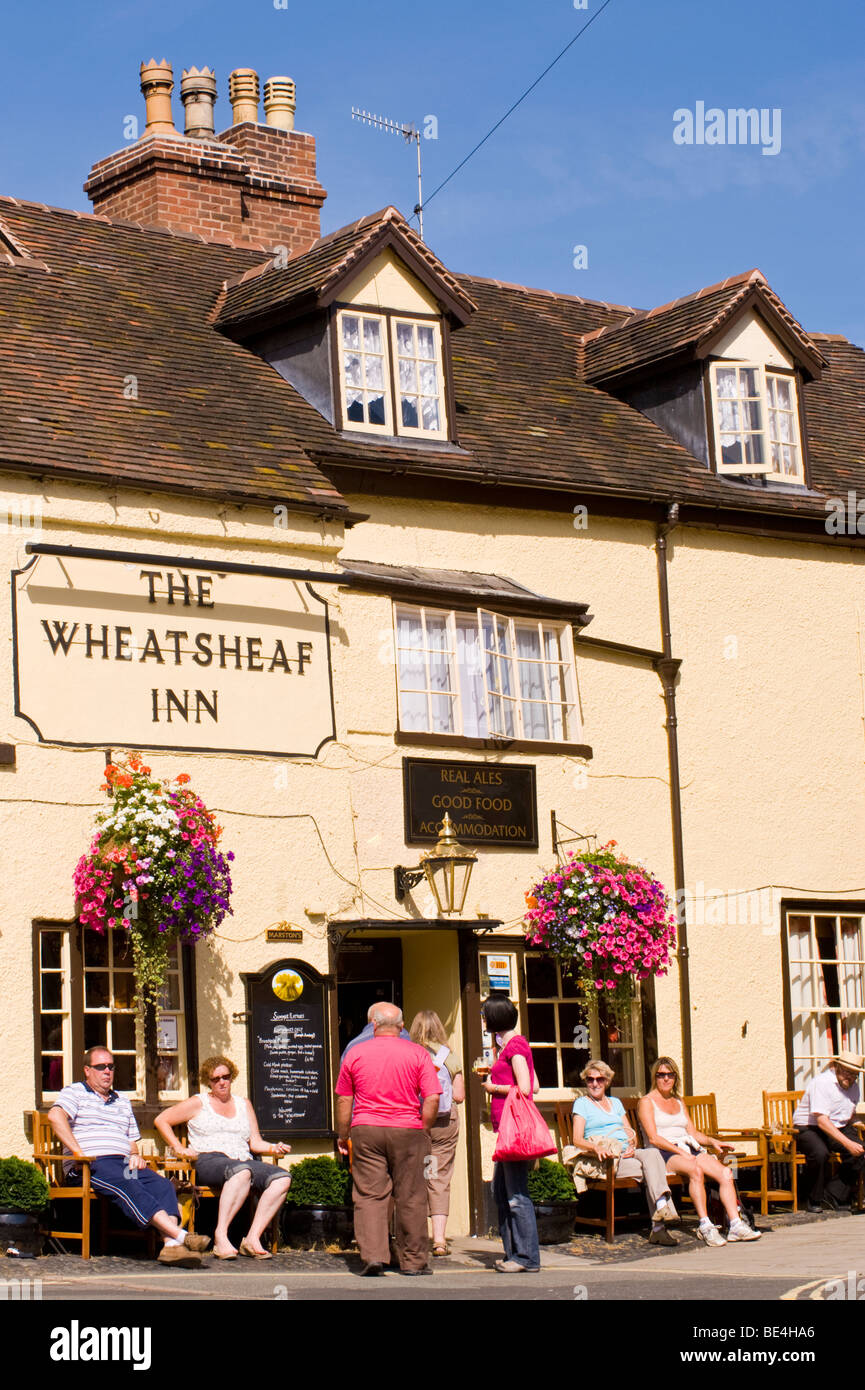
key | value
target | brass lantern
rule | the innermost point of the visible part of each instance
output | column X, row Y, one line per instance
column 447, row 868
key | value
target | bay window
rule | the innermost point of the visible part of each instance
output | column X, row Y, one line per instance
column 483, row 675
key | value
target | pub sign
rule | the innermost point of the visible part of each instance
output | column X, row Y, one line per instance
column 488, row 803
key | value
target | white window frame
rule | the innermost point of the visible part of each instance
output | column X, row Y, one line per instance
column 411, row 431
column 393, row 425
column 631, row 1044
column 765, row 469
column 386, row 428
column 567, row 705
column 813, row 1038
column 64, row 1013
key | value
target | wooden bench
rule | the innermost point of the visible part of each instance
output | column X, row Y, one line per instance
column 190, row 1192
column 703, row 1111
column 609, row 1185
column 48, row 1156
column 778, row 1111
column 778, row 1108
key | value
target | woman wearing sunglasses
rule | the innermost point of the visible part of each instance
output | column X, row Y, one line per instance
column 667, row 1125
column 223, row 1135
column 600, row 1120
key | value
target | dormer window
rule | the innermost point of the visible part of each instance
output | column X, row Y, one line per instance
column 391, row 375
column 418, row 355
column 366, row 393
column 756, row 421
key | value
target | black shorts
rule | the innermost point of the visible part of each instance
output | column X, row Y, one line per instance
column 214, row 1169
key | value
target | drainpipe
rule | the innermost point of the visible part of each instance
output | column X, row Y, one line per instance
column 667, row 667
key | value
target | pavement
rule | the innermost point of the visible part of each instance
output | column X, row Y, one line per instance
column 799, row 1258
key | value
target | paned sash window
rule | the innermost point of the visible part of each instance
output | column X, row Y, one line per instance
column 756, row 418
column 483, row 675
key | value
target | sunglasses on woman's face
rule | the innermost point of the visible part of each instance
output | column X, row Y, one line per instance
column 665, row 1075
column 594, row 1081
column 225, row 1077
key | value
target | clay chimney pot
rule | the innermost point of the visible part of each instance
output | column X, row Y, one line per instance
column 198, row 94
column 279, row 103
column 243, row 94
column 157, row 84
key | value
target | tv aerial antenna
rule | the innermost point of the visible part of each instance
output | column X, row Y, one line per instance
column 408, row 132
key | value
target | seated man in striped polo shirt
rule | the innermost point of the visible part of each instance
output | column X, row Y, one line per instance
column 91, row 1120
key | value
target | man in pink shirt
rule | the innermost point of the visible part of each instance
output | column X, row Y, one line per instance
column 387, row 1094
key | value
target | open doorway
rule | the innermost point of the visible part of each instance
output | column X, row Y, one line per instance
column 367, row 972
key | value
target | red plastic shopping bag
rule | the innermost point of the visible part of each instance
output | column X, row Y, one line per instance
column 522, row 1131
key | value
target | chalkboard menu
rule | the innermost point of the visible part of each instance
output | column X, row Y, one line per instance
column 287, row 1050
column 488, row 803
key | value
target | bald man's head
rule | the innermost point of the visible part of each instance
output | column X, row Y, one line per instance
column 386, row 1018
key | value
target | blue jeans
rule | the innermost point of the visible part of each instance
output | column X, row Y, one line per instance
column 517, row 1225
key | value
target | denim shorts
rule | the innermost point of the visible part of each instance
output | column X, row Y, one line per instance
column 214, row 1169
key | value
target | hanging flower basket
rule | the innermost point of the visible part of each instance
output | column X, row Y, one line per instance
column 607, row 920
column 153, row 869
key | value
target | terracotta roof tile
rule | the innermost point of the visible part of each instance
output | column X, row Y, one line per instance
column 213, row 419
column 654, row 336
column 272, row 286
column 123, row 311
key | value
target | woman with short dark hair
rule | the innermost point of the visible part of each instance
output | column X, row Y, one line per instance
column 513, row 1067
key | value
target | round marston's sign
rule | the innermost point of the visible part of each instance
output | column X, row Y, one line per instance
column 152, row 655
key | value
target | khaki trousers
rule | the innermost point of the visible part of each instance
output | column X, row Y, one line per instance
column 390, row 1162
column 650, row 1167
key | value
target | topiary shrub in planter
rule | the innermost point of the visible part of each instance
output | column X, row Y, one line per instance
column 318, row 1210
column 551, row 1189
column 23, row 1195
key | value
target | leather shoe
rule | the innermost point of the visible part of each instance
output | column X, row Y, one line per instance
column 814, row 1208
column 199, row 1243
column 408, row 1272
column 372, row 1270
column 180, row 1256
column 662, row 1237
column 832, row 1204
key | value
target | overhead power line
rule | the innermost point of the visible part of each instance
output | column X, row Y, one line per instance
column 513, row 108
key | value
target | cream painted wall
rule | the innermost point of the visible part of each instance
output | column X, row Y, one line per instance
column 388, row 284
column 751, row 340
column 771, row 739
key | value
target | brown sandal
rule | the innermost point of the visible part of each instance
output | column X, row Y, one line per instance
column 441, row 1249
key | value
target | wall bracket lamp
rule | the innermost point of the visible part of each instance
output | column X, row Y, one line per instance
column 447, row 868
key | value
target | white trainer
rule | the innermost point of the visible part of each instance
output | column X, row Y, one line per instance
column 710, row 1234
column 740, row 1230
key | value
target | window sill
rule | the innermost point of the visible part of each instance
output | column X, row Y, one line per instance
column 442, row 445
column 490, row 745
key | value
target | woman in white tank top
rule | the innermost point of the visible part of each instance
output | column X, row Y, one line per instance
column 667, row 1125
column 223, row 1135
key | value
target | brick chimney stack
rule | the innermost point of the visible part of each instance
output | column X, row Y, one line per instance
column 252, row 184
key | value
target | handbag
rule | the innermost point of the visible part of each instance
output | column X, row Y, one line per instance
column 523, row 1134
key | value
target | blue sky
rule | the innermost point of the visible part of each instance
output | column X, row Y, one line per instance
column 588, row 160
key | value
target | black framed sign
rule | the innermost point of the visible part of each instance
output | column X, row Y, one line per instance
column 287, row 1050
column 488, row 803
